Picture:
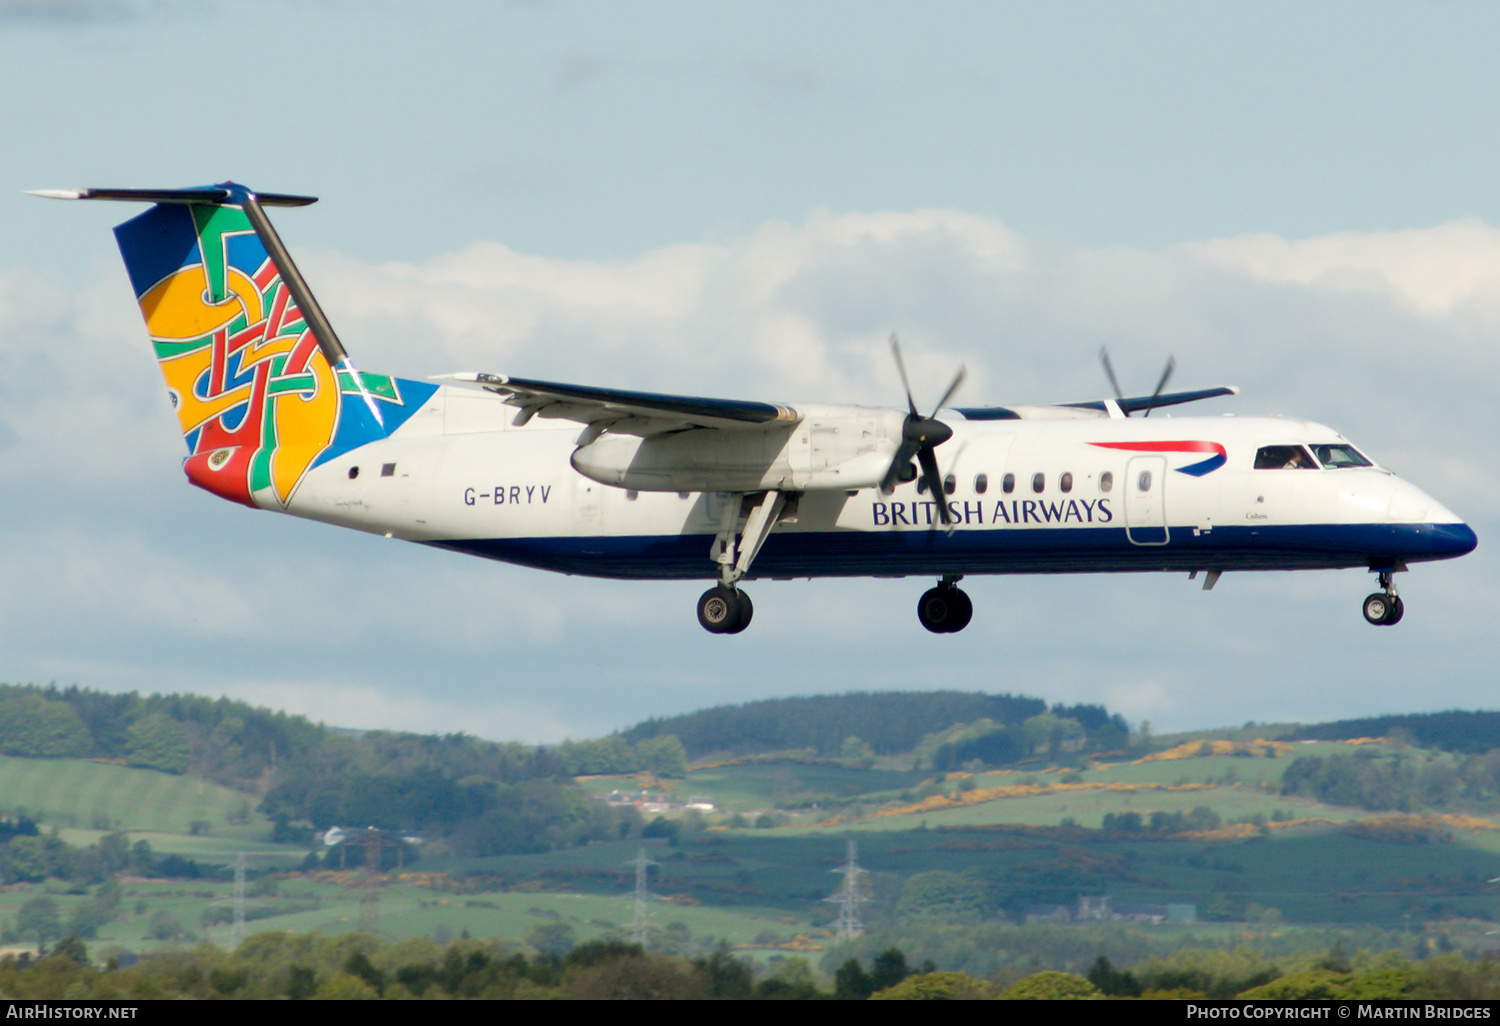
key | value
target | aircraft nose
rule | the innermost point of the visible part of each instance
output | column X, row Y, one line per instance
column 1449, row 540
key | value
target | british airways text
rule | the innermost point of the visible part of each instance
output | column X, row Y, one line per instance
column 1016, row 512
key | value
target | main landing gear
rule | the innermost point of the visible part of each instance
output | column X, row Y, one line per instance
column 945, row 609
column 724, row 609
column 1385, row 608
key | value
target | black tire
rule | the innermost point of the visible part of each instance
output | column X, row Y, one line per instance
column 746, row 609
column 1378, row 608
column 719, row 609
column 935, row 609
column 1398, row 610
column 963, row 611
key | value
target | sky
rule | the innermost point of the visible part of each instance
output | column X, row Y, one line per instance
column 744, row 200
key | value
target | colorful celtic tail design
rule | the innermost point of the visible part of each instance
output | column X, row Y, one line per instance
column 258, row 403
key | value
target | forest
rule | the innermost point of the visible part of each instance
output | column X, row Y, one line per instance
column 888, row 722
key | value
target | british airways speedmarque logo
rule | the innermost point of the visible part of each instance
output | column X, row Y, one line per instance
column 1208, row 466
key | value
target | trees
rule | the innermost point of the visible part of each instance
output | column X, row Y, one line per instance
column 551, row 939
column 889, row 722
column 855, row 754
column 33, row 726
column 939, row 892
column 851, row 982
column 936, row 986
column 39, row 918
column 158, row 742
column 1052, row 986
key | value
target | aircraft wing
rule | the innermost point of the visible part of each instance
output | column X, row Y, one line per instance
column 1129, row 405
column 637, row 413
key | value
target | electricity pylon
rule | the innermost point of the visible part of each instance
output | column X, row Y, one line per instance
column 849, row 897
column 641, row 922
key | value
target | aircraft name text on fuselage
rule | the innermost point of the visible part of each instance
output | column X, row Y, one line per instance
column 508, row 495
column 1012, row 513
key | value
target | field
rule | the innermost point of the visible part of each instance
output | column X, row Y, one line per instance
column 101, row 795
column 1030, row 838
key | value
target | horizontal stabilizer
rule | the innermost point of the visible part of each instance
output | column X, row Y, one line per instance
column 211, row 195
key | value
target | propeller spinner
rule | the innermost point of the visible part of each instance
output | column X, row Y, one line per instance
column 919, row 436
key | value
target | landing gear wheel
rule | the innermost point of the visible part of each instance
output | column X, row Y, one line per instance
column 1383, row 610
column 963, row 611
column 746, row 611
column 724, row 610
column 718, row 609
column 944, row 610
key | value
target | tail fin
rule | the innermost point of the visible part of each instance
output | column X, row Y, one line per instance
column 261, row 385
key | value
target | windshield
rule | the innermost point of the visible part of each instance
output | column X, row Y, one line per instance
column 1283, row 457
column 1335, row 457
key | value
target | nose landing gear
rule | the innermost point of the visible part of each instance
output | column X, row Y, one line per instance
column 1384, row 608
column 945, row 609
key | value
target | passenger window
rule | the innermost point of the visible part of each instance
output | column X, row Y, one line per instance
column 1283, row 457
column 1008, row 483
column 1335, row 457
column 981, row 484
column 921, row 486
column 1143, row 483
column 950, row 485
column 1106, row 481
column 1038, row 483
column 1065, row 482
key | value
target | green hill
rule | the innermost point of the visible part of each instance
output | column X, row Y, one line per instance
column 102, row 796
column 888, row 722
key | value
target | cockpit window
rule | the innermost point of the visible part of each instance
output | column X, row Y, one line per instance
column 1335, row 457
column 1283, row 457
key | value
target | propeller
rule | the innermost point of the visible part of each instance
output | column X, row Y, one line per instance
column 919, row 436
column 1115, row 382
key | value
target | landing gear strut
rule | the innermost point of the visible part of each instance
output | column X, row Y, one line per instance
column 945, row 609
column 724, row 609
column 1385, row 608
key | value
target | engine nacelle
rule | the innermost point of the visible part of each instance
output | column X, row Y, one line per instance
column 842, row 448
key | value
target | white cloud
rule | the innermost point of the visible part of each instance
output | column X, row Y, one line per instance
column 1430, row 270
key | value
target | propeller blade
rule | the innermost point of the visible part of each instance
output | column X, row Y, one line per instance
column 892, row 478
column 901, row 366
column 1110, row 370
column 928, row 459
column 957, row 380
column 1171, row 366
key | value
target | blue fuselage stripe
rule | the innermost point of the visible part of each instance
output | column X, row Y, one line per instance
column 1067, row 550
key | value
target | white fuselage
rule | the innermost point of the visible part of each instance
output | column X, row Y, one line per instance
column 1085, row 493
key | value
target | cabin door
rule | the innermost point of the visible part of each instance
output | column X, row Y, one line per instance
column 1145, row 505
